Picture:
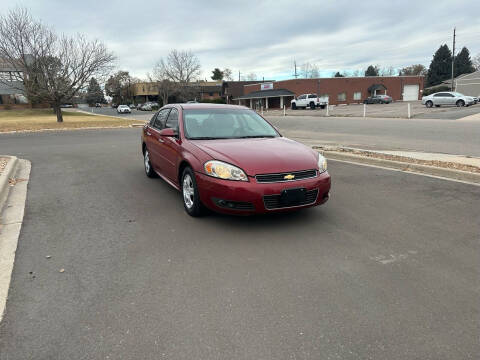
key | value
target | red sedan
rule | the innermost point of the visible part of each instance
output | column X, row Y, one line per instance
column 229, row 159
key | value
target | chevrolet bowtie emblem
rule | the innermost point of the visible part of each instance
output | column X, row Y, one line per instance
column 289, row 177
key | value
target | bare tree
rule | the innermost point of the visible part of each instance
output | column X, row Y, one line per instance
column 48, row 67
column 166, row 87
column 251, row 76
column 180, row 66
column 227, row 74
column 310, row 71
column 387, row 71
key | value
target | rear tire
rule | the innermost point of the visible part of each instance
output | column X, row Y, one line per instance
column 429, row 104
column 190, row 194
column 312, row 105
column 460, row 103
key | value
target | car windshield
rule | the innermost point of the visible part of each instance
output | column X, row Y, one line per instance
column 212, row 124
column 457, row 94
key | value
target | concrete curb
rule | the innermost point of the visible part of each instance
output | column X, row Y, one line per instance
column 11, row 223
column 4, row 176
column 72, row 129
column 404, row 166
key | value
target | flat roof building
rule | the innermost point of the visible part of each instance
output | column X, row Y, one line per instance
column 341, row 90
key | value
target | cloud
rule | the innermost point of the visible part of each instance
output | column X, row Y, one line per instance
column 265, row 37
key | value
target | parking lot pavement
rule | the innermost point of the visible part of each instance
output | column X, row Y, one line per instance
column 136, row 114
column 388, row 269
column 424, row 135
column 394, row 110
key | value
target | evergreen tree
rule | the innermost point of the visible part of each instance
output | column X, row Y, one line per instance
column 371, row 71
column 337, row 74
column 441, row 66
column 217, row 74
column 94, row 93
column 463, row 64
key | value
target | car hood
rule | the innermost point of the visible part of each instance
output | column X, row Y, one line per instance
column 262, row 155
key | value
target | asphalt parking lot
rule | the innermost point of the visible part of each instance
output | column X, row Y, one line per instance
column 387, row 269
column 394, row 110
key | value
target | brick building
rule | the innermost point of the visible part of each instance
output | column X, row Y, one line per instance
column 342, row 90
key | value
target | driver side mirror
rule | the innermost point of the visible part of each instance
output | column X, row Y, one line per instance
column 169, row 132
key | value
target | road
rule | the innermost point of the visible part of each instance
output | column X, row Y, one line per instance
column 460, row 137
column 387, row 269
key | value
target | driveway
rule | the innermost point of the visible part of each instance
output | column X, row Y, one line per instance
column 388, row 269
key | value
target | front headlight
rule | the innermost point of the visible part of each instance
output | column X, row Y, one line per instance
column 225, row 171
column 322, row 163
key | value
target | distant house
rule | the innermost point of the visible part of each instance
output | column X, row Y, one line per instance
column 11, row 90
column 468, row 84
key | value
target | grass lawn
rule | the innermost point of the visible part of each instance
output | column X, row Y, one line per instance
column 37, row 119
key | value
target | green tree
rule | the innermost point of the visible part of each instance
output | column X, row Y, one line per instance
column 463, row 63
column 217, row 74
column 337, row 74
column 119, row 87
column 372, row 71
column 94, row 93
column 441, row 66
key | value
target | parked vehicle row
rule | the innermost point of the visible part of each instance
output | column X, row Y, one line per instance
column 448, row 98
column 226, row 158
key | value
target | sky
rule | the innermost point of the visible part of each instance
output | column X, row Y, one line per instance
column 266, row 37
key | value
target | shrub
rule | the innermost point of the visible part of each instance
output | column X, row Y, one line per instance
column 433, row 90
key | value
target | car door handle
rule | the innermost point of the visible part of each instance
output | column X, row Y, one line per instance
column 161, row 140
column 148, row 133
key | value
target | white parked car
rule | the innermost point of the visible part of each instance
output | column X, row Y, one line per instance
column 447, row 98
column 309, row 100
column 123, row 109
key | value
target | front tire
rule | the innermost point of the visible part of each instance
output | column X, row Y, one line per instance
column 460, row 103
column 148, row 165
column 294, row 106
column 429, row 104
column 190, row 195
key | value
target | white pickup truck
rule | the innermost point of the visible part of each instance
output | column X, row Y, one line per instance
column 309, row 100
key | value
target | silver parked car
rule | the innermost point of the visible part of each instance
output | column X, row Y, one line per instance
column 447, row 98
column 123, row 109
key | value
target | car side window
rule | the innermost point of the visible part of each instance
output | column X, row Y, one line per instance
column 152, row 120
column 440, row 95
column 172, row 120
column 312, row 96
column 160, row 119
column 302, row 97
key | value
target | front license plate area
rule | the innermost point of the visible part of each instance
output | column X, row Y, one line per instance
column 293, row 196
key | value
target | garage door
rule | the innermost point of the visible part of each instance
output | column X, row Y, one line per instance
column 410, row 92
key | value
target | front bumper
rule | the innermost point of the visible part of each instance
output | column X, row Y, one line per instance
column 212, row 190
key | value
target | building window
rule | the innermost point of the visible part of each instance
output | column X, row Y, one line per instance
column 357, row 95
column 342, row 96
column 210, row 94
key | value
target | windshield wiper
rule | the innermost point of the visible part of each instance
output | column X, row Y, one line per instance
column 207, row 138
column 256, row 136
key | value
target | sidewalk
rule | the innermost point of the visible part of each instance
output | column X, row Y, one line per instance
column 455, row 167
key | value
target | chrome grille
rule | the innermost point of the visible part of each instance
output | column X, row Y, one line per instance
column 280, row 177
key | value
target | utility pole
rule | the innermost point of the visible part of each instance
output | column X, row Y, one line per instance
column 453, row 59
column 295, row 64
column 238, row 75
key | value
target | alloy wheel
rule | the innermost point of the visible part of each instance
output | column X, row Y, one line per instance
column 188, row 191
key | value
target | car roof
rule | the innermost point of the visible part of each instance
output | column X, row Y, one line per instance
column 210, row 106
